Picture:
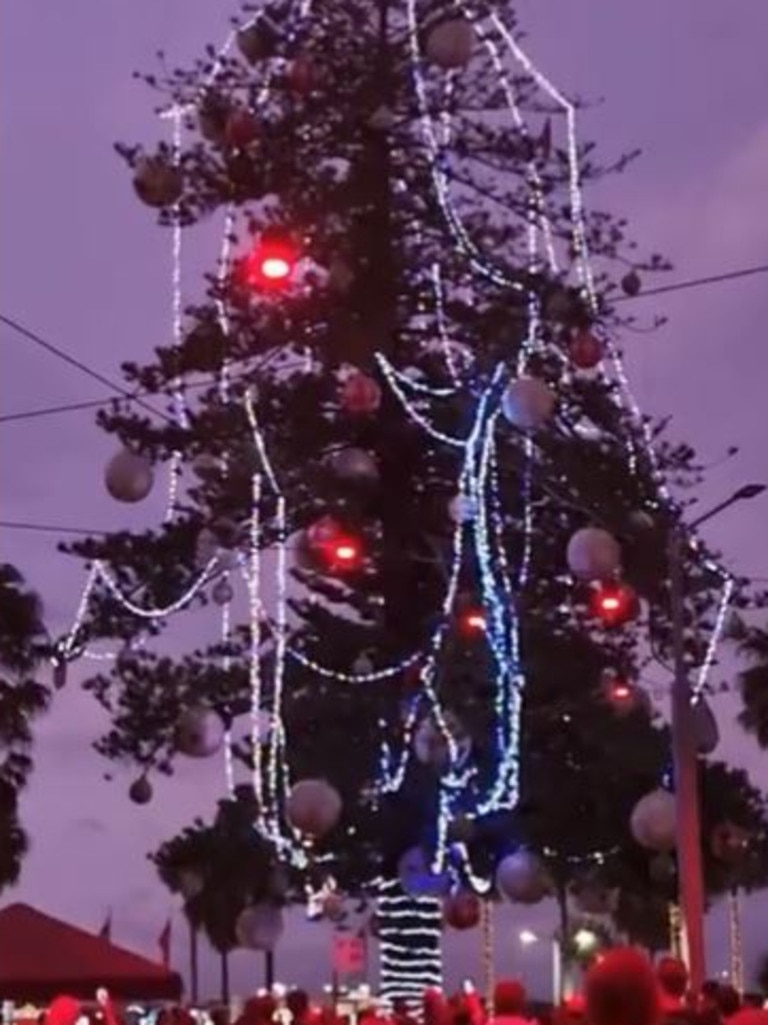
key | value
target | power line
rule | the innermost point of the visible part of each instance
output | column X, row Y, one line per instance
column 54, row 350
column 32, row 414
column 46, row 528
column 712, row 279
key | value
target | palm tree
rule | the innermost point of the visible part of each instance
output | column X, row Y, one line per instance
column 217, row 870
column 23, row 643
column 753, row 644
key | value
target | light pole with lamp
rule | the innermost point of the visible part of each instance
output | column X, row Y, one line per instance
column 684, row 751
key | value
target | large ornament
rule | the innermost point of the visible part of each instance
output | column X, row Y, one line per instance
column 199, row 732
column 418, row 879
column 355, row 464
column 449, row 44
column 528, row 403
column 521, row 877
column 60, row 673
column 585, row 350
column 241, row 129
column 222, row 593
column 302, row 75
column 359, row 394
column 157, row 182
column 128, row 477
column 631, row 283
column 593, row 554
column 140, row 791
column 654, row 821
column 259, row 927
column 313, row 807
column 704, row 727
column 462, row 509
column 729, row 843
column 258, row 41
column 461, row 911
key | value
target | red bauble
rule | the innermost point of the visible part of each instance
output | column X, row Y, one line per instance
column 585, row 350
column 461, row 911
column 302, row 75
column 360, row 393
column 614, row 604
column 270, row 264
column 241, row 128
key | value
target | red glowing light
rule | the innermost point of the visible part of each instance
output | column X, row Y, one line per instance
column 270, row 264
column 345, row 552
column 621, row 691
column 473, row 622
column 614, row 604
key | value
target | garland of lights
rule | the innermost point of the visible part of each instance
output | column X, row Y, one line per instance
column 500, row 582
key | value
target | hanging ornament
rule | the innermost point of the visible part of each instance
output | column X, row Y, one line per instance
column 340, row 275
column 593, row 554
column 614, row 604
column 313, row 807
column 528, row 403
column 302, row 76
column 241, row 129
column 59, row 673
column 653, row 822
column 522, row 878
column 222, row 592
column 641, row 521
column 585, row 350
column 729, row 843
column 359, row 394
column 212, row 114
column 631, row 283
column 662, row 869
column 259, row 40
column 140, row 791
column 355, row 464
column 157, row 181
column 462, row 509
column 270, row 265
column 128, row 477
column 449, row 43
column 333, row 907
column 417, row 878
column 461, row 911
column 431, row 746
column 259, row 927
column 382, row 120
column 704, row 726
column 199, row 732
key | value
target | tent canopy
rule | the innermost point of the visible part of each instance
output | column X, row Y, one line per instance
column 42, row 957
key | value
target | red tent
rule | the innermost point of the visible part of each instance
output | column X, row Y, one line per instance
column 41, row 958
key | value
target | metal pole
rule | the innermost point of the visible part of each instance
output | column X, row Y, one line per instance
column 686, row 769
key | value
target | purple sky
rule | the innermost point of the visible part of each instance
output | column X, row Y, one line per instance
column 83, row 265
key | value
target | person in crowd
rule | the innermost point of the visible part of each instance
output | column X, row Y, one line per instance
column 509, row 1003
column 672, row 976
column 621, row 989
column 728, row 1002
column 400, row 1013
column 297, row 1002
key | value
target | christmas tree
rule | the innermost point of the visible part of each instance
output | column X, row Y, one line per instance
column 404, row 463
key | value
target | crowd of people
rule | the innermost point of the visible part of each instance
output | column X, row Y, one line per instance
column 622, row 988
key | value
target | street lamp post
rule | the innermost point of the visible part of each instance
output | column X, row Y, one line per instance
column 685, row 754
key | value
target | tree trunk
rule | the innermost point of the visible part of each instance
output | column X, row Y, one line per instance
column 408, row 924
column 194, row 975
column 269, row 969
column 225, row 977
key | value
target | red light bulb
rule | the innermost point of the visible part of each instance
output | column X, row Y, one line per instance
column 473, row 622
column 270, row 264
column 614, row 604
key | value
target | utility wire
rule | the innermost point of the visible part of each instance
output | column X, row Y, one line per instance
column 45, row 528
column 33, row 414
column 54, row 350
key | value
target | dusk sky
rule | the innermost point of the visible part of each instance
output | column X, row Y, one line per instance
column 83, row 265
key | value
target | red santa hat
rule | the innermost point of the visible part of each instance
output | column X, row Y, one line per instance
column 63, row 1010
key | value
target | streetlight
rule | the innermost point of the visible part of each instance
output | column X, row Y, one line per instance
column 684, row 751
